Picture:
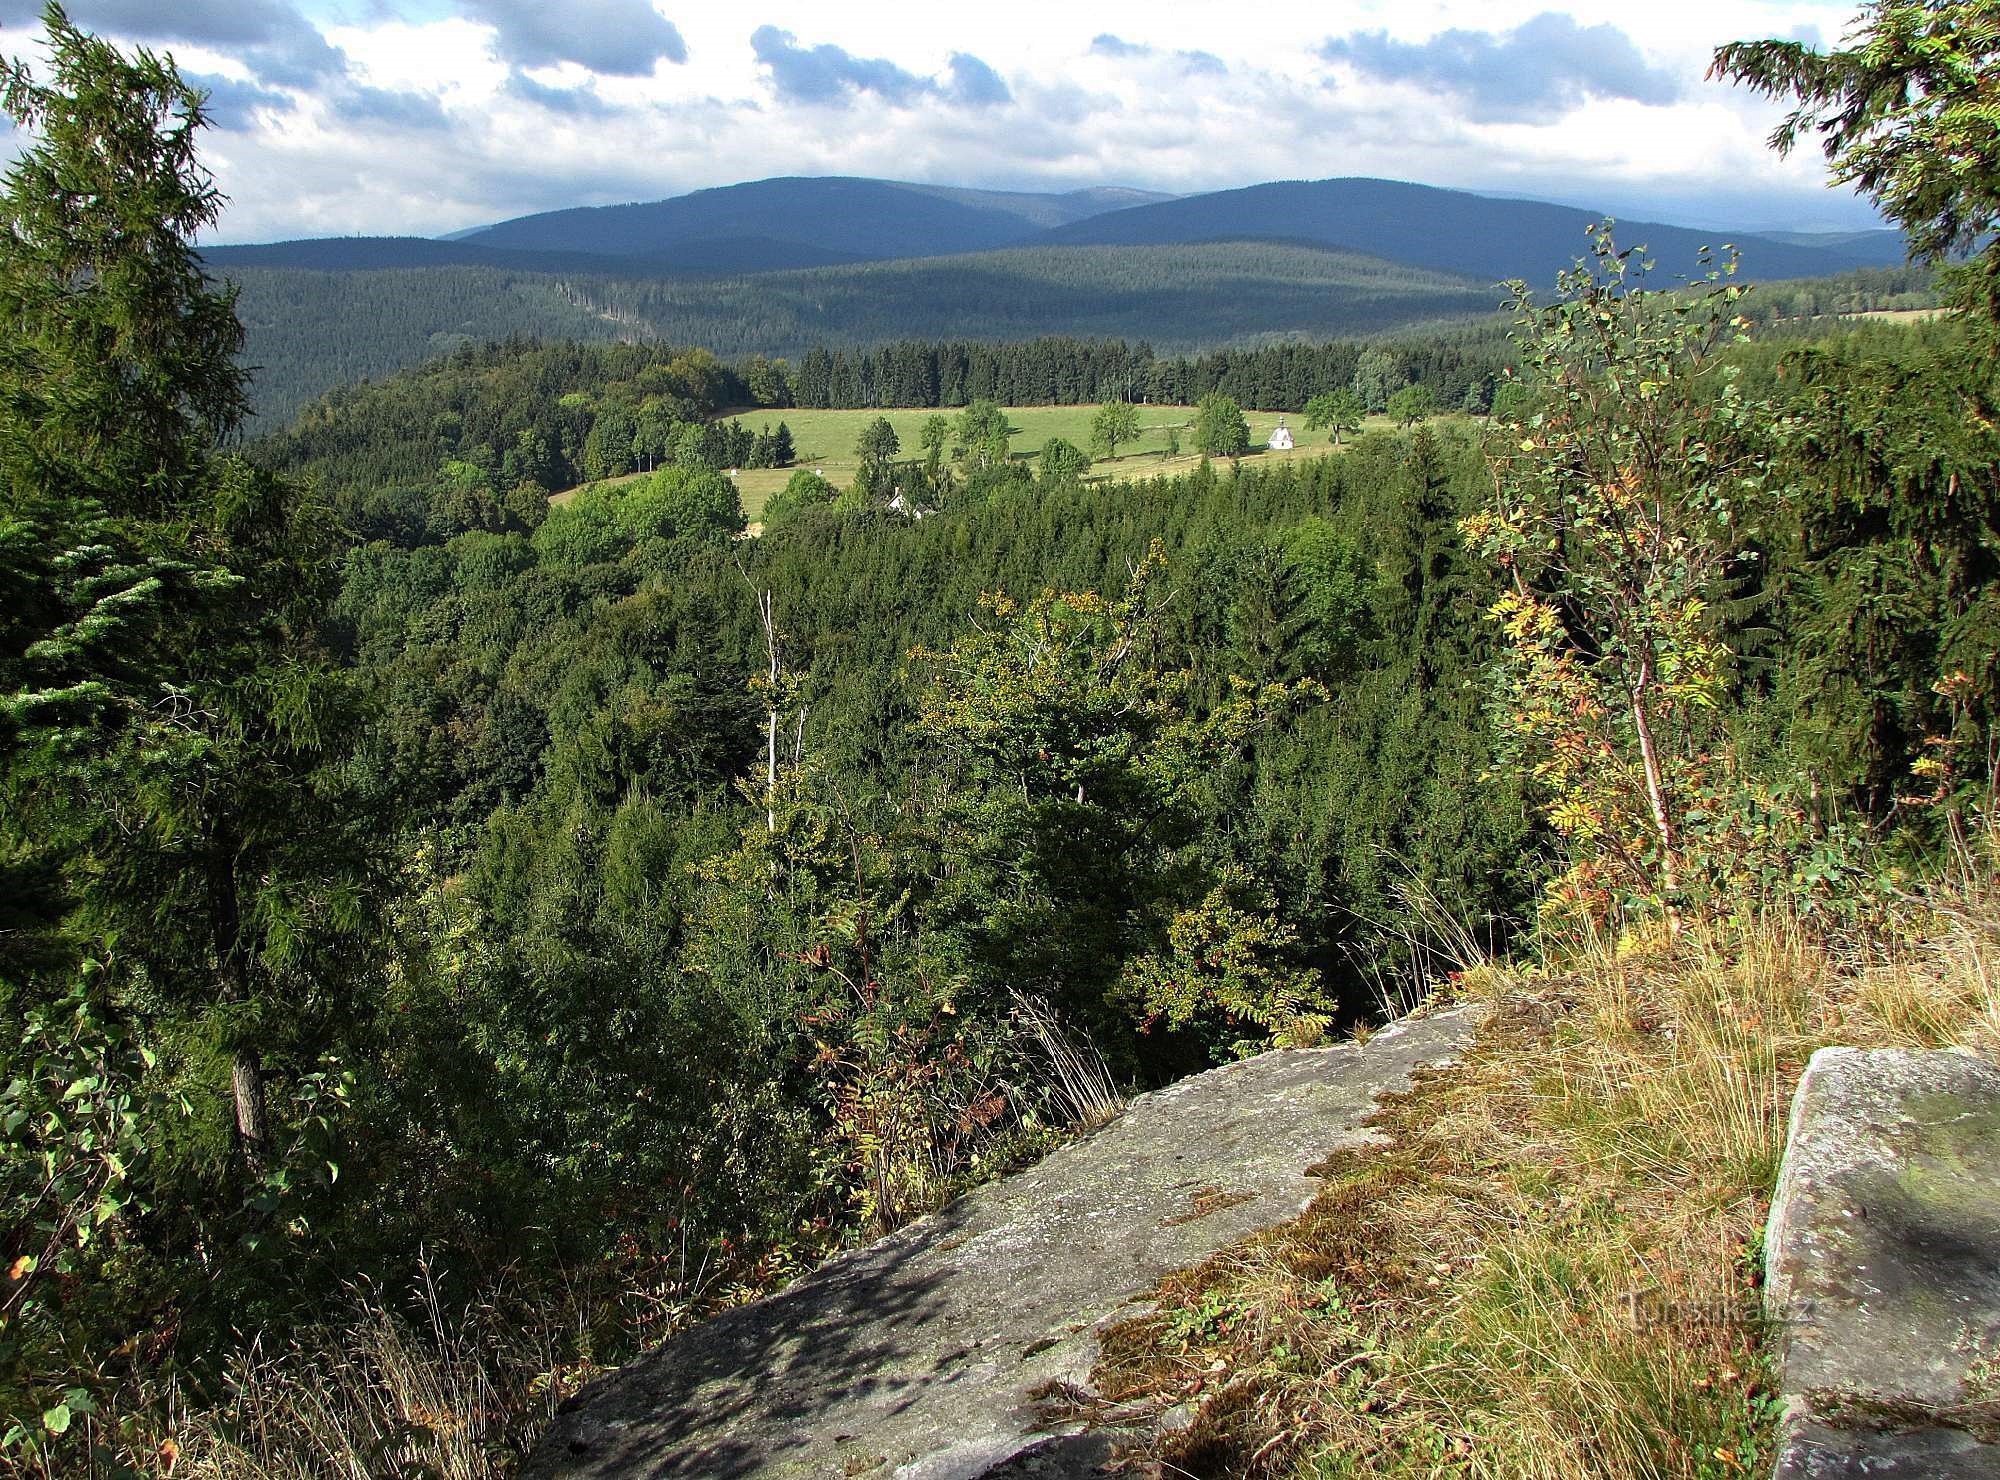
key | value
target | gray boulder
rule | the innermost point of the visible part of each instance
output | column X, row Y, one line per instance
column 1883, row 1273
column 935, row 1353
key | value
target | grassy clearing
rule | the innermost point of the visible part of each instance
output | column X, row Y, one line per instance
column 1552, row 1270
column 825, row 441
column 1898, row 315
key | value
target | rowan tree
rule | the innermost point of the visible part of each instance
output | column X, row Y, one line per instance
column 1612, row 522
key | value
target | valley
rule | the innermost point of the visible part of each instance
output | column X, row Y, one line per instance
column 777, row 267
column 759, row 832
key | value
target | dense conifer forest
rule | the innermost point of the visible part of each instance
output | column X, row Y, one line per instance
column 313, row 330
column 582, row 915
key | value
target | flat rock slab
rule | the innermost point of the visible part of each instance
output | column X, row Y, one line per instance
column 921, row 1357
column 1883, row 1271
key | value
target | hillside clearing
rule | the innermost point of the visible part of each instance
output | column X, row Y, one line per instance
column 825, row 442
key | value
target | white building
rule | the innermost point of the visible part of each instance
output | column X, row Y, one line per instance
column 1281, row 439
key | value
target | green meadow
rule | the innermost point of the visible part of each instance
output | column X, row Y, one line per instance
column 825, row 440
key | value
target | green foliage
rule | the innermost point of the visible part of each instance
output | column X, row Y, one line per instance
column 1116, row 423
column 1378, row 374
column 1883, row 577
column 936, row 436
column 983, row 432
column 586, row 890
column 128, row 347
column 1513, row 403
column 1412, row 404
column 607, row 522
column 878, row 444
column 172, row 759
column 802, row 491
column 75, row 1132
column 1614, row 519
column 1335, row 411
column 1219, row 428
column 1226, row 967
column 1906, row 115
column 1062, row 460
column 1072, row 766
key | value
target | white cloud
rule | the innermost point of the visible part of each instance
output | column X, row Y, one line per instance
column 439, row 114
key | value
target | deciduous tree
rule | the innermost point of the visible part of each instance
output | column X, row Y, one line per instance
column 878, row 445
column 1219, row 428
column 1334, row 411
column 1063, row 461
column 1612, row 519
column 1115, row 424
column 1412, row 404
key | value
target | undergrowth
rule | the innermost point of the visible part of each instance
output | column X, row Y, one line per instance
column 1552, row 1269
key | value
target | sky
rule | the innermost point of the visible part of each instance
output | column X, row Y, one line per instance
column 424, row 117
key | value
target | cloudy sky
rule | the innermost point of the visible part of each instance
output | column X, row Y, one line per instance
column 423, row 117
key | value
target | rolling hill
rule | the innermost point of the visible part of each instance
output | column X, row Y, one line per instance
column 776, row 266
column 706, row 257
column 311, row 330
column 1479, row 236
column 856, row 217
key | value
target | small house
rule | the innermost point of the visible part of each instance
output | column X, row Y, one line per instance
column 1281, row 439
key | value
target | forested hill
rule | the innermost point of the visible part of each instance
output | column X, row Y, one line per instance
column 380, row 253
column 862, row 218
column 766, row 225
column 312, row 330
column 1454, row 231
column 777, row 267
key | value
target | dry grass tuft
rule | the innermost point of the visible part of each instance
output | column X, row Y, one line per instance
column 413, row 1385
column 1552, row 1269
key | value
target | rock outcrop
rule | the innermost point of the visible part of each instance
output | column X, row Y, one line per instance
column 925, row 1356
column 1883, row 1254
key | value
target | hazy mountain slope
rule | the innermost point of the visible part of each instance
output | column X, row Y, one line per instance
column 1048, row 211
column 1870, row 248
column 1445, row 230
column 375, row 253
column 862, row 218
column 306, row 332
column 380, row 253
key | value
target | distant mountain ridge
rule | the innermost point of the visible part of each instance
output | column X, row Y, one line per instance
column 866, row 219
column 1477, row 236
column 777, row 266
column 707, row 257
column 795, row 222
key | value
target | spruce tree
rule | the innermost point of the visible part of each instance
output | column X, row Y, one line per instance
column 172, row 737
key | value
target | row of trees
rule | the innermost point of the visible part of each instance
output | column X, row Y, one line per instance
column 1460, row 370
